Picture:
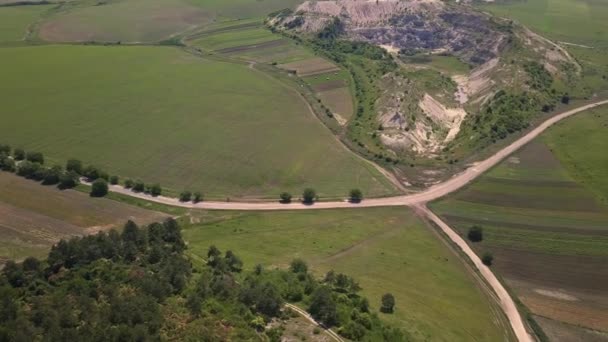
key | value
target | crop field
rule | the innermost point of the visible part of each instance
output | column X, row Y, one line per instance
column 385, row 249
column 544, row 221
column 146, row 20
column 333, row 88
column 15, row 21
column 33, row 217
column 168, row 117
column 572, row 21
column 311, row 66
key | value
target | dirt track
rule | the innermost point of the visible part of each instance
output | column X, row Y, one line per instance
column 417, row 200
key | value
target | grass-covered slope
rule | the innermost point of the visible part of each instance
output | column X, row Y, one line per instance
column 385, row 249
column 168, row 117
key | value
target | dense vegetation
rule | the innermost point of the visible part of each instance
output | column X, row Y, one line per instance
column 138, row 284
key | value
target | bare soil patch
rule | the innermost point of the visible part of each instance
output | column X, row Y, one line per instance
column 330, row 85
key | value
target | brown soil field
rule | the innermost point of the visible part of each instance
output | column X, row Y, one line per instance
column 33, row 217
column 339, row 101
column 311, row 66
column 242, row 48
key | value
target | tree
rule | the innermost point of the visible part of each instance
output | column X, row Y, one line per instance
column 91, row 173
column 233, row 261
column 129, row 183
column 323, row 306
column 487, row 259
column 99, row 188
column 298, row 266
column 185, row 196
column 309, row 195
column 388, row 303
column 139, row 186
column 7, row 163
column 156, row 190
column 68, row 180
column 356, row 195
column 19, row 154
column 74, row 165
column 197, row 197
column 35, row 157
column 53, row 175
column 475, row 233
column 565, row 98
column 27, row 169
column 285, row 197
column 5, row 149
column 114, row 180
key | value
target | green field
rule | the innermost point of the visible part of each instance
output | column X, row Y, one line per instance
column 385, row 249
column 544, row 215
column 15, row 21
column 165, row 116
column 572, row 21
column 235, row 38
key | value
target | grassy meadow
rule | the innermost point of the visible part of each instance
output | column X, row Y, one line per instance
column 15, row 21
column 385, row 249
column 165, row 116
column 544, row 217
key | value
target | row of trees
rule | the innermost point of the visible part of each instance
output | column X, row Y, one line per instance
column 475, row 234
column 309, row 196
column 31, row 165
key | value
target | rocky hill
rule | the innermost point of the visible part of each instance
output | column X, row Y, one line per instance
column 462, row 79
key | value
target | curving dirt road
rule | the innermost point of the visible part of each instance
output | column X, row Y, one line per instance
column 434, row 192
column 418, row 201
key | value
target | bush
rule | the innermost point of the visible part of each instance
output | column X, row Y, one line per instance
column 91, row 173
column 27, row 169
column 285, row 197
column 198, row 197
column 99, row 188
column 155, row 190
column 5, row 149
column 355, row 195
column 298, row 266
column 74, row 165
column 487, row 258
column 19, row 154
column 129, row 183
column 68, row 180
column 52, row 175
column 185, row 196
column 388, row 303
column 309, row 196
column 35, row 157
column 139, row 186
column 114, row 180
column 6, row 163
column 475, row 233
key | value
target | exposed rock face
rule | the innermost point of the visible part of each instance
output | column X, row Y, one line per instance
column 413, row 25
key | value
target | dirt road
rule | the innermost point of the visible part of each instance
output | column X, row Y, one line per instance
column 434, row 192
column 506, row 302
column 306, row 315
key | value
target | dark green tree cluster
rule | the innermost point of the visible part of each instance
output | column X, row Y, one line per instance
column 187, row 196
column 104, row 287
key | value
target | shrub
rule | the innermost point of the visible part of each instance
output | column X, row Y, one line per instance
column 155, row 190
column 114, row 180
column 99, row 188
column 298, row 266
column 74, row 165
column 129, row 183
column 5, row 149
column 139, row 186
column 198, row 197
column 6, row 163
column 285, row 197
column 68, row 180
column 185, row 196
column 487, row 258
column 475, row 233
column 27, row 169
column 355, row 195
column 309, row 195
column 52, row 175
column 91, row 173
column 19, row 154
column 388, row 303
column 35, row 157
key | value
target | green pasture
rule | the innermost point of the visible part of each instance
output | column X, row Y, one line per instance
column 581, row 144
column 230, row 39
column 165, row 116
column 572, row 21
column 15, row 20
column 385, row 249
